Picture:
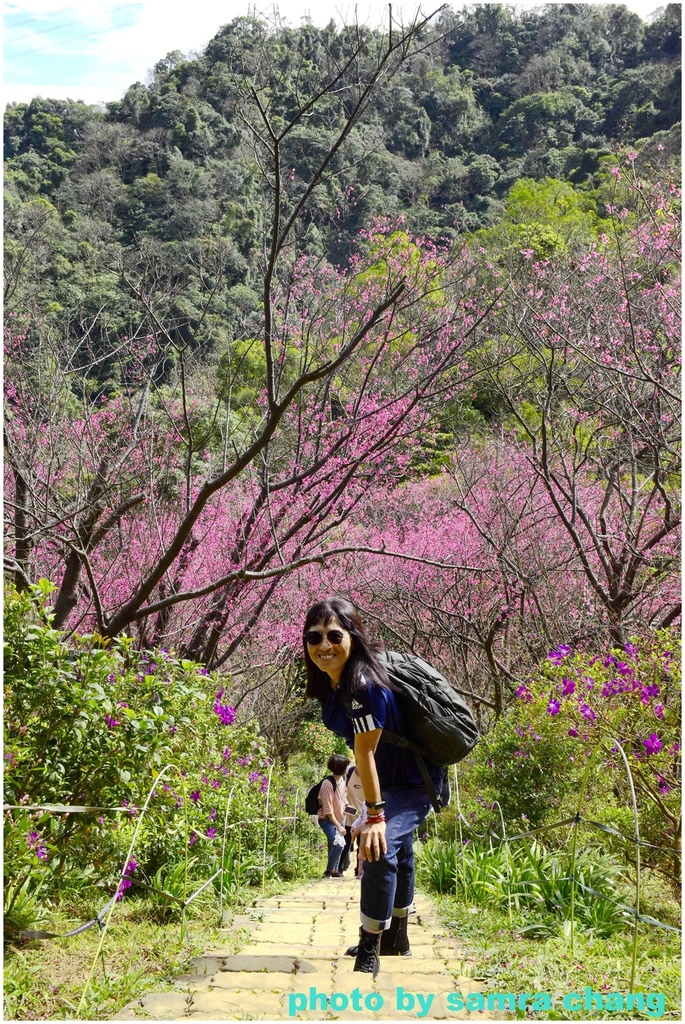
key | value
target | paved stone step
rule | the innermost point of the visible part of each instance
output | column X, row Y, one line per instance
column 292, row 967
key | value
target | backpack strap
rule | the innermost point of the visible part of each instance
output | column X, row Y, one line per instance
column 400, row 741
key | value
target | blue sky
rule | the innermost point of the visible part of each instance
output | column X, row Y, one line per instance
column 94, row 50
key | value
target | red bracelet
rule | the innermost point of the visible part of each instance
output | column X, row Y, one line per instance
column 374, row 819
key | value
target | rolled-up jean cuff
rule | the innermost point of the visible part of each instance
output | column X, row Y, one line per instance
column 372, row 924
column 403, row 911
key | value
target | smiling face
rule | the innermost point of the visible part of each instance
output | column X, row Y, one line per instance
column 330, row 658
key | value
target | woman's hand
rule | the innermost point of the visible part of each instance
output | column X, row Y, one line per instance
column 372, row 843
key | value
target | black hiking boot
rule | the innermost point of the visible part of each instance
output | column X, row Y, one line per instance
column 394, row 940
column 366, row 957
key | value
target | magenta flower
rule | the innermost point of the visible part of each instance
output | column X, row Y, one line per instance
column 111, row 722
column 556, row 657
column 659, row 710
column 573, row 731
column 554, row 707
column 225, row 713
column 568, row 688
column 587, row 713
column 652, row 745
column 195, row 796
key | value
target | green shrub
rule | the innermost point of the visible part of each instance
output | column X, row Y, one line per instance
column 91, row 723
column 529, row 879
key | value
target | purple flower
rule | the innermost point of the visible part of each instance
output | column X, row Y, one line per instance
column 227, row 753
column 659, row 710
column 211, row 833
column 193, row 840
column 111, row 722
column 212, row 814
column 556, row 657
column 573, row 731
column 225, row 713
column 611, row 688
column 125, row 884
column 587, row 712
column 216, row 783
column 195, row 796
column 264, row 784
column 651, row 691
column 652, row 745
column 253, row 776
column 524, row 693
column 631, row 650
column 568, row 688
column 554, row 707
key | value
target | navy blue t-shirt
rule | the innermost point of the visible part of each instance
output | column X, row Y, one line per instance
column 376, row 707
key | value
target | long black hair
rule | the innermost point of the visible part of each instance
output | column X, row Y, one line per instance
column 363, row 664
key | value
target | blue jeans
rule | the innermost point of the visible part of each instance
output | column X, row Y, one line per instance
column 334, row 852
column 387, row 887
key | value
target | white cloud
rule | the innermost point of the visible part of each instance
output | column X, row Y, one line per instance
column 111, row 57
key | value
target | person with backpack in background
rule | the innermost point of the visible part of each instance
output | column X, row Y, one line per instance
column 353, row 811
column 331, row 812
column 351, row 678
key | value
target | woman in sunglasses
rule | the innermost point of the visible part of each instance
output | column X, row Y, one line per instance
column 347, row 675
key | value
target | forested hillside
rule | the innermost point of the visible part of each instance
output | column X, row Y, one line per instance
column 489, row 97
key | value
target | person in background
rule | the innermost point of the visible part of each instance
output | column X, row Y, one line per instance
column 332, row 802
column 354, row 810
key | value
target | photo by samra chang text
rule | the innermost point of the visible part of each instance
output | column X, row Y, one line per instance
column 420, row 1004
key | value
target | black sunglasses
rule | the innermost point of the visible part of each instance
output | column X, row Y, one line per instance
column 314, row 637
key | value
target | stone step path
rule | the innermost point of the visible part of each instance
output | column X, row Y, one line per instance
column 293, row 968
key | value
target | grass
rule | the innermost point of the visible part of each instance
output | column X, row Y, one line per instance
column 44, row 980
column 506, row 960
